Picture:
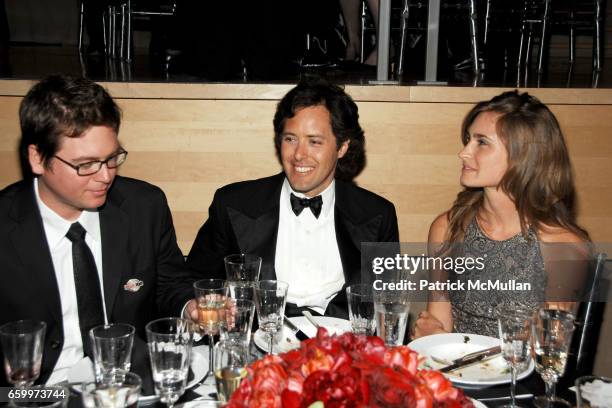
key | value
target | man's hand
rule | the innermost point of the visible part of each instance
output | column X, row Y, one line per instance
column 427, row 324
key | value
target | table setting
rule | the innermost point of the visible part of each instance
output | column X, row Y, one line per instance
column 310, row 360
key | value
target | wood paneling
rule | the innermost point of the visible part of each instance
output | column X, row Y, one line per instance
column 191, row 139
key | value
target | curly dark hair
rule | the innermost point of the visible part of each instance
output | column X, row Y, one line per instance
column 62, row 105
column 344, row 121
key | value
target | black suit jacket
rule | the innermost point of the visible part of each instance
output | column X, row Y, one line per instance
column 243, row 218
column 138, row 242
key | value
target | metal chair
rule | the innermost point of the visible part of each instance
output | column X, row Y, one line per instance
column 128, row 12
column 459, row 9
column 82, row 27
column 589, row 318
column 580, row 17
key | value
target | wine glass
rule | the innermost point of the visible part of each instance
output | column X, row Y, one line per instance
column 270, row 300
column 552, row 334
column 231, row 359
column 170, row 340
column 211, row 297
column 238, row 320
column 515, row 338
column 22, row 344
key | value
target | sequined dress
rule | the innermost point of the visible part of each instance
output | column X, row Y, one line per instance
column 516, row 258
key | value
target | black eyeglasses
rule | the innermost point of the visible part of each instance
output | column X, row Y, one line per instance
column 92, row 167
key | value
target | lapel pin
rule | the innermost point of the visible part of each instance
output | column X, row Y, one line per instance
column 133, row 285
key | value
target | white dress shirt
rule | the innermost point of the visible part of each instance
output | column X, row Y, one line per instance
column 60, row 247
column 307, row 255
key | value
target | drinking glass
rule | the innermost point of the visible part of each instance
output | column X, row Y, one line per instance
column 593, row 392
column 361, row 309
column 211, row 296
column 239, row 321
column 169, row 340
column 241, row 290
column 112, row 350
column 515, row 341
column 552, row 334
column 270, row 300
column 242, row 267
column 121, row 392
column 231, row 360
column 392, row 309
column 22, row 345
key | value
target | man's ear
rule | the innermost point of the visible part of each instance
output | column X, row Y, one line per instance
column 36, row 161
column 343, row 148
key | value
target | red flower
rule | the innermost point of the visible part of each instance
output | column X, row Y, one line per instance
column 345, row 371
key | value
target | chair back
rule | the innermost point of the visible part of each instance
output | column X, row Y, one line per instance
column 590, row 319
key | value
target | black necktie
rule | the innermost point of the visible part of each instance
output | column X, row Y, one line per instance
column 298, row 204
column 87, row 284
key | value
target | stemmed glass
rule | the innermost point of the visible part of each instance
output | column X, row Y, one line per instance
column 515, row 337
column 170, row 340
column 552, row 333
column 270, row 300
column 211, row 297
column 22, row 345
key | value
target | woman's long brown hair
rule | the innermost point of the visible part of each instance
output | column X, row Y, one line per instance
column 539, row 178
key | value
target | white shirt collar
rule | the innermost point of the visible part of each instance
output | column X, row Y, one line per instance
column 328, row 196
column 56, row 227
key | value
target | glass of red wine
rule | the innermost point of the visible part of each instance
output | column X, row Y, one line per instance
column 22, row 345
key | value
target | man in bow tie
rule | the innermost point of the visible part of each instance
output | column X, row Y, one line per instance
column 81, row 246
column 308, row 222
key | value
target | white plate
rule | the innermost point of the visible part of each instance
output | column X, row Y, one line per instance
column 288, row 341
column 450, row 346
column 83, row 371
column 478, row 404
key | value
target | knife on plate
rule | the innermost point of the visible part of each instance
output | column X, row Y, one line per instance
column 487, row 352
column 467, row 359
column 301, row 336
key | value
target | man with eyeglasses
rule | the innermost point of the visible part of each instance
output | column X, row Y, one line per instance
column 79, row 245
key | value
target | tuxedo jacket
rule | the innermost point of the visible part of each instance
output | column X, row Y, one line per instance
column 243, row 218
column 138, row 242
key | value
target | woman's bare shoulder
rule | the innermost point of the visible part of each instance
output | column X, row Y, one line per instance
column 438, row 228
column 550, row 234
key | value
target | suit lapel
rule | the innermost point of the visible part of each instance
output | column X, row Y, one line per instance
column 115, row 237
column 257, row 232
column 31, row 246
column 353, row 227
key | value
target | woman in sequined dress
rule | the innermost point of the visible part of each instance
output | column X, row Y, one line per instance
column 518, row 197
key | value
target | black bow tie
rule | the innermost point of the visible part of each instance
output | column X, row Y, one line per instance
column 298, row 204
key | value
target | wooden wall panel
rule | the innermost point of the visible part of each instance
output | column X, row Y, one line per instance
column 190, row 147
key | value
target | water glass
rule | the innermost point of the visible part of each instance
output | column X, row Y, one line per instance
column 22, row 345
column 241, row 290
column 593, row 392
column 391, row 309
column 239, row 321
column 123, row 391
column 170, row 340
column 270, row 301
column 515, row 338
column 361, row 309
column 112, row 350
column 242, row 267
column 231, row 360
column 552, row 332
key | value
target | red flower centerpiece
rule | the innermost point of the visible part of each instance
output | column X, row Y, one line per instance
column 345, row 371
